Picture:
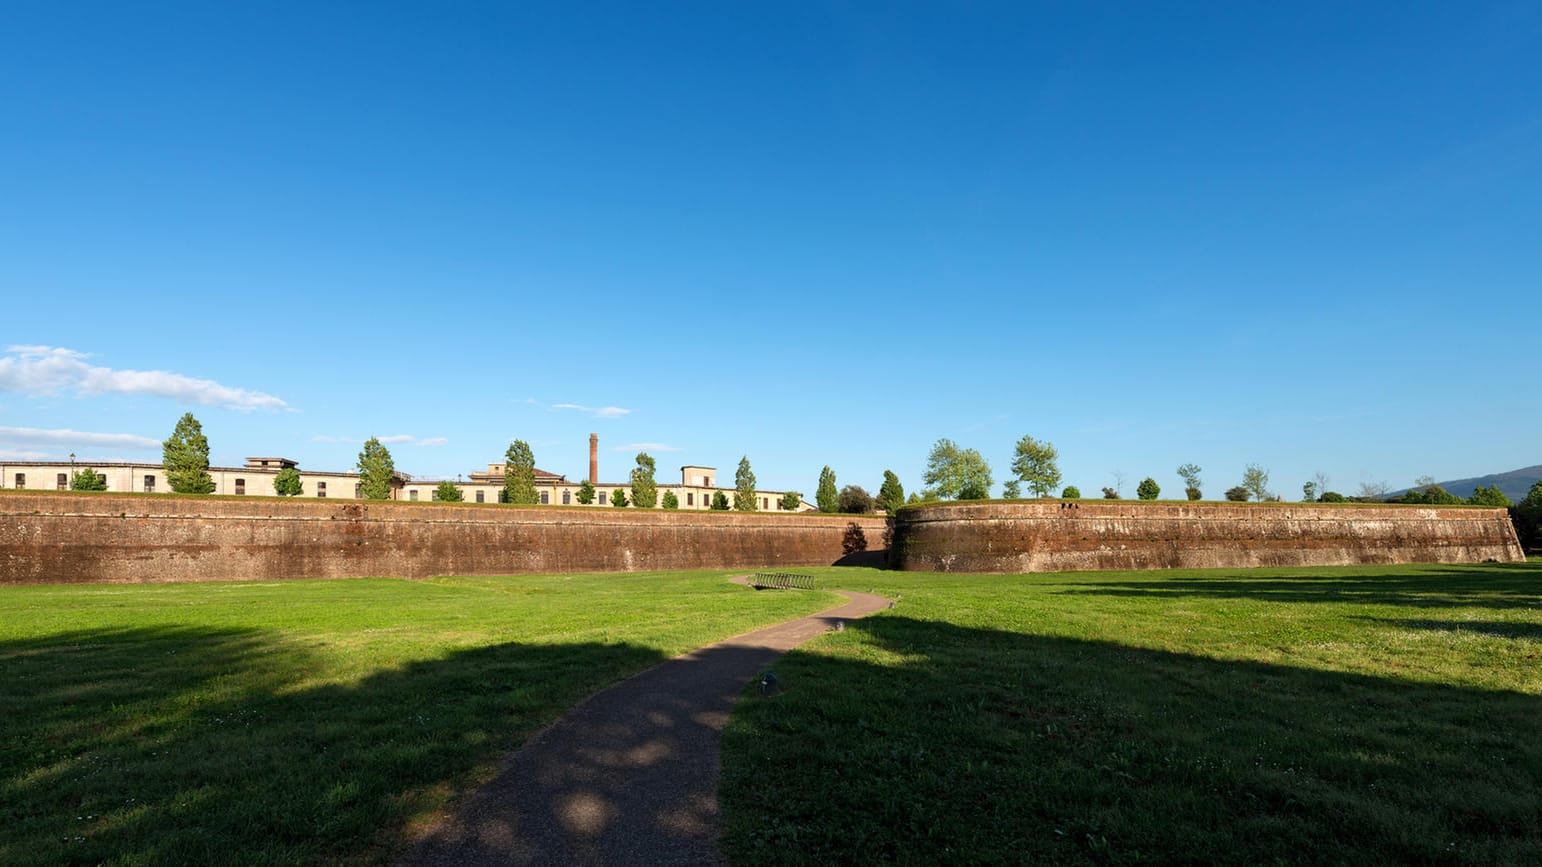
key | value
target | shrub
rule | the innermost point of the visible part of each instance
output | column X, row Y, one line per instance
column 1192, row 493
column 618, row 498
column 1238, row 494
column 1332, row 497
column 447, row 492
column 1071, row 492
column 1149, row 489
column 1110, row 494
column 719, row 501
column 791, row 501
column 670, row 501
column 855, row 500
column 287, row 483
column 88, row 479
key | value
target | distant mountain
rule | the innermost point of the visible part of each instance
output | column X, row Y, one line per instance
column 1515, row 484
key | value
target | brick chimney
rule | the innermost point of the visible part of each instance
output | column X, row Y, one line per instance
column 594, row 459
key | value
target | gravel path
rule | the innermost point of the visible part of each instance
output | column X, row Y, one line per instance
column 629, row 776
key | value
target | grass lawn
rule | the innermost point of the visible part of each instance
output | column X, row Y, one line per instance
column 1346, row 716
column 306, row 721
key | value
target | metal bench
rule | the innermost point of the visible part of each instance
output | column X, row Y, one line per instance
column 781, row 581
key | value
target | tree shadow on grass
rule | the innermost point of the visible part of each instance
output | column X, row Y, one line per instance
column 914, row 741
column 1499, row 585
column 1493, row 628
column 196, row 746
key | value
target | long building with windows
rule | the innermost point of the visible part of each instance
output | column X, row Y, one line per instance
column 695, row 490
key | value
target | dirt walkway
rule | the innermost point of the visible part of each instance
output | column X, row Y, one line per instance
column 630, row 775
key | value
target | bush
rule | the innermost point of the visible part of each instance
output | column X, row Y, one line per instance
column 1332, row 497
column 1192, row 493
column 670, row 501
column 1149, row 489
column 88, row 479
column 1238, row 494
column 1071, row 492
column 447, row 492
column 287, row 483
column 719, row 502
column 791, row 501
column 1110, row 494
column 854, row 500
column 618, row 498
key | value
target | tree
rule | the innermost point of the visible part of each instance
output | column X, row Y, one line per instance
column 645, row 492
column 287, row 483
column 1071, row 492
column 719, row 501
column 957, row 474
column 1332, row 497
column 87, row 479
column 855, row 500
column 891, row 494
column 618, row 498
column 671, row 501
column 1490, row 496
column 185, row 455
column 1309, row 492
column 448, row 492
column 1527, row 517
column 1373, row 491
column 1191, row 480
column 1320, row 479
column 1256, row 479
column 519, row 474
column 791, row 501
column 1034, row 464
column 1118, row 483
column 1238, row 494
column 376, row 470
column 825, row 495
column 1149, row 489
column 1011, row 490
column 1110, row 494
column 585, row 492
column 744, row 487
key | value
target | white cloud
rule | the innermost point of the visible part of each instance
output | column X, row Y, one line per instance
column 21, row 455
column 597, row 412
column 646, row 447
column 63, row 437
column 42, row 370
column 393, row 440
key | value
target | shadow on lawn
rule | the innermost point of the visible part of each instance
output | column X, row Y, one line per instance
column 1500, row 585
column 183, row 746
column 985, row 746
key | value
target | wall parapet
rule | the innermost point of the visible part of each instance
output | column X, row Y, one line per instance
column 1073, row 535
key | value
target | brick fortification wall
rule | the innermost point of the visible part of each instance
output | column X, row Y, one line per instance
column 57, row 538
column 1099, row 534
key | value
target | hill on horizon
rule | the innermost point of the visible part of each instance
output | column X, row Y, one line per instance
column 1515, row 484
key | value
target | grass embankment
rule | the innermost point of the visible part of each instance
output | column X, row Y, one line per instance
column 306, row 721
column 1353, row 715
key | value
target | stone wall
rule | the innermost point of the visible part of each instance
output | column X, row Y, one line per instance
column 1053, row 536
column 69, row 537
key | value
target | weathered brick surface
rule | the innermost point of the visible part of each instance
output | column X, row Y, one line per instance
column 1048, row 537
column 56, row 538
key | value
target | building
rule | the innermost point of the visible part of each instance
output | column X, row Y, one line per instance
column 255, row 478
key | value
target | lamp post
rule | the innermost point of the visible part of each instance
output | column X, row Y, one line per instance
column 72, row 463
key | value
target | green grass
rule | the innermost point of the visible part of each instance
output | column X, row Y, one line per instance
column 306, row 721
column 1345, row 716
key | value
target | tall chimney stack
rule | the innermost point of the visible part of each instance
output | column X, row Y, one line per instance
column 594, row 459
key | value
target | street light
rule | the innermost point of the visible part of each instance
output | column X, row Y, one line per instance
column 72, row 462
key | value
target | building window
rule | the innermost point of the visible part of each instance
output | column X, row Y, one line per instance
column 321, row 489
column 102, row 477
column 240, row 486
column 21, row 480
column 546, row 498
column 567, row 498
column 149, row 484
column 64, row 481
column 602, row 496
column 690, row 499
column 412, row 495
column 481, row 496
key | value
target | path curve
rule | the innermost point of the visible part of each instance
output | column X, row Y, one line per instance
column 629, row 776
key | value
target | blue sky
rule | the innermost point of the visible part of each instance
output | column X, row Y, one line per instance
column 1298, row 235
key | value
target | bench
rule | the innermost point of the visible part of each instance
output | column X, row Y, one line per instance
column 781, row 581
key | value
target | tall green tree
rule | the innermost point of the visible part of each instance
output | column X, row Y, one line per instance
column 287, row 483
column 185, row 455
column 744, row 487
column 376, row 470
column 448, row 492
column 1191, row 481
column 87, row 479
column 618, row 498
column 1034, row 464
column 957, row 474
column 1490, row 496
column 519, row 474
column 1148, row 489
column 891, row 494
column 645, row 491
column 1256, row 480
column 825, row 496
column 586, row 492
column 791, row 501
